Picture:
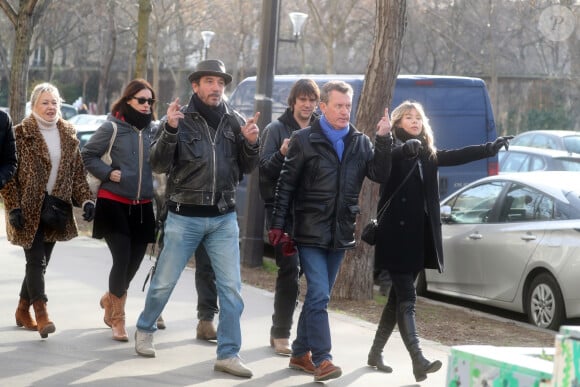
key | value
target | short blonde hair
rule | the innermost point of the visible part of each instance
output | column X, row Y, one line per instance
column 41, row 88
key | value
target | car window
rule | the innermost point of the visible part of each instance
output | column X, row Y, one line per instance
column 512, row 162
column 535, row 163
column 520, row 204
column 572, row 143
column 523, row 140
column 571, row 165
column 474, row 205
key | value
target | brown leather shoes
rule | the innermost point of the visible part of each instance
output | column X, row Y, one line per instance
column 281, row 346
column 326, row 371
column 206, row 331
column 302, row 363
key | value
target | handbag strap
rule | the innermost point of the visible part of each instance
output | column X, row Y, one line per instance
column 383, row 209
column 113, row 136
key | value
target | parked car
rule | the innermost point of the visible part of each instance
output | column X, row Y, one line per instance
column 86, row 125
column 512, row 241
column 567, row 140
column 526, row 159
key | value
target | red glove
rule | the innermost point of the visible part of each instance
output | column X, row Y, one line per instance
column 288, row 247
column 275, row 235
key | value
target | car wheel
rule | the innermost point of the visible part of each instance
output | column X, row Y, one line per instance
column 421, row 284
column 544, row 303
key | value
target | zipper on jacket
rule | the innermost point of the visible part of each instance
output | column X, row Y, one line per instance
column 140, row 181
column 214, row 167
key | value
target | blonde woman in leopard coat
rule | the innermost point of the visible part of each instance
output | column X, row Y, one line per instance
column 49, row 162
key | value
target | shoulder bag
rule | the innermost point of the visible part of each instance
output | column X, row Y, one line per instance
column 94, row 182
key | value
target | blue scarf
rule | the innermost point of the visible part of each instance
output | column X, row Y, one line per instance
column 335, row 136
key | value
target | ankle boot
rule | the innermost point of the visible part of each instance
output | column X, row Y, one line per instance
column 406, row 321
column 384, row 330
column 45, row 326
column 118, row 317
column 23, row 316
column 105, row 303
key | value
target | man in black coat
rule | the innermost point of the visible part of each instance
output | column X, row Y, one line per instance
column 8, row 161
column 320, row 181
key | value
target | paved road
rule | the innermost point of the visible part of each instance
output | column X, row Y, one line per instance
column 82, row 353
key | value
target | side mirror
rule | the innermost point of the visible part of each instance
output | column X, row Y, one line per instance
column 446, row 214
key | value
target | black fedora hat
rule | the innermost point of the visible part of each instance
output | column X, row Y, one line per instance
column 211, row 67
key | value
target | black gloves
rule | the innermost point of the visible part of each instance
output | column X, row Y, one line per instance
column 493, row 147
column 16, row 218
column 89, row 211
column 411, row 148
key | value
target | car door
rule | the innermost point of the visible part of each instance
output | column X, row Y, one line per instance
column 463, row 240
column 507, row 246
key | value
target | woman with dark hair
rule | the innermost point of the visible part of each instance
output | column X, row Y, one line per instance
column 124, row 214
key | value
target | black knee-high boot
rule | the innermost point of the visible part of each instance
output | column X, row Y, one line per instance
column 406, row 321
column 384, row 330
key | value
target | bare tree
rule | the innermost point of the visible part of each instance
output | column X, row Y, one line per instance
column 108, row 39
column 23, row 21
column 355, row 277
column 145, row 9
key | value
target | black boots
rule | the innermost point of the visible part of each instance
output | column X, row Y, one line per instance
column 384, row 330
column 406, row 321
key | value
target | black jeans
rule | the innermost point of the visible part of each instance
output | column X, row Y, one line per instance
column 37, row 258
column 287, row 287
column 402, row 289
column 205, row 285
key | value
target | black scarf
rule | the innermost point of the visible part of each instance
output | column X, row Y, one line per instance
column 137, row 119
column 402, row 135
column 211, row 114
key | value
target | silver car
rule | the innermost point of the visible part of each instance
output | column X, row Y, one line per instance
column 513, row 241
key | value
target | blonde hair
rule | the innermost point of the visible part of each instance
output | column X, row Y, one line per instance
column 426, row 135
column 41, row 88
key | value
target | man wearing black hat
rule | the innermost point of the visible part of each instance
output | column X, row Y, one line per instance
column 204, row 147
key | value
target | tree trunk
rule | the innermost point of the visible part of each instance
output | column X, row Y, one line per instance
column 23, row 22
column 355, row 279
column 106, row 61
column 142, row 39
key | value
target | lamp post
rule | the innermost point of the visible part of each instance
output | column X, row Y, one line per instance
column 207, row 36
column 252, row 243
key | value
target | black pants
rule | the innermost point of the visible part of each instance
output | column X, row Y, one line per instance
column 287, row 287
column 127, row 256
column 37, row 258
column 205, row 285
column 402, row 289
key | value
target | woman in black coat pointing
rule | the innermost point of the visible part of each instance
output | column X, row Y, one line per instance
column 409, row 234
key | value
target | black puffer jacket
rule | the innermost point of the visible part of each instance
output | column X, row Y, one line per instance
column 202, row 169
column 323, row 190
column 271, row 159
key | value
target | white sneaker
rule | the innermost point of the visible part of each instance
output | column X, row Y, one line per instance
column 233, row 366
column 144, row 344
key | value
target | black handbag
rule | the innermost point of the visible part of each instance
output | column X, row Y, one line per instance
column 55, row 212
column 369, row 232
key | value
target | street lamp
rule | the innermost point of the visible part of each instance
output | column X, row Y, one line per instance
column 252, row 246
column 297, row 19
column 207, row 36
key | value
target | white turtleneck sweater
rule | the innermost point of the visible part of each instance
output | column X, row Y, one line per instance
column 51, row 137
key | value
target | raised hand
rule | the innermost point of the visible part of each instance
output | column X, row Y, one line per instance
column 384, row 125
column 174, row 113
column 251, row 131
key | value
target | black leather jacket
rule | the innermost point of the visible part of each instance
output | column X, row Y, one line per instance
column 8, row 161
column 323, row 190
column 202, row 170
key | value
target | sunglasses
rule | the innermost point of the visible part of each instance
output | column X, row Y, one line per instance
column 142, row 100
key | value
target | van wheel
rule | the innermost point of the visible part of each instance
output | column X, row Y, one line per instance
column 544, row 303
column 421, row 284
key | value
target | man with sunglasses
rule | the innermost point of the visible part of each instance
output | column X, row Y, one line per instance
column 204, row 147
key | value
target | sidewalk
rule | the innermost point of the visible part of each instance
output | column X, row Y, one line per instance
column 82, row 353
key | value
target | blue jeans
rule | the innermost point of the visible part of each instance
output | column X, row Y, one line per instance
column 219, row 236
column 320, row 267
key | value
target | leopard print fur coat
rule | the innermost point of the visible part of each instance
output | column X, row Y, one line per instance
column 26, row 189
